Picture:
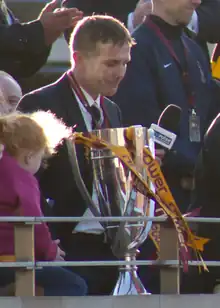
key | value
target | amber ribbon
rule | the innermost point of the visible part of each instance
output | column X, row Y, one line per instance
column 162, row 195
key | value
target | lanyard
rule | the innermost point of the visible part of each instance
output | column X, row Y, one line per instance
column 184, row 71
column 75, row 86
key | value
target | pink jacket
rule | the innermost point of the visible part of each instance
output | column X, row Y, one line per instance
column 19, row 193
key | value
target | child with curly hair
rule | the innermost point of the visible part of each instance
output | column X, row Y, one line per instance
column 27, row 140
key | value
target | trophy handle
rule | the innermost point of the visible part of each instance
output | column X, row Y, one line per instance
column 71, row 149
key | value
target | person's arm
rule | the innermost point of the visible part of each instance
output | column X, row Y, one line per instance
column 141, row 11
column 25, row 47
column 45, row 248
column 18, row 38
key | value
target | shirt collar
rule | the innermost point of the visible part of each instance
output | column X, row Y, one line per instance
column 89, row 98
column 169, row 31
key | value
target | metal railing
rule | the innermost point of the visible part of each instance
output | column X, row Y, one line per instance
column 168, row 262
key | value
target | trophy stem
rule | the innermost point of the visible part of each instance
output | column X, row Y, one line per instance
column 128, row 282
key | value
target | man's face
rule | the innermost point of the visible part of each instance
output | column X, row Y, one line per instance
column 180, row 10
column 10, row 94
column 104, row 69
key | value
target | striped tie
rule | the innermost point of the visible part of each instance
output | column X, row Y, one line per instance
column 96, row 117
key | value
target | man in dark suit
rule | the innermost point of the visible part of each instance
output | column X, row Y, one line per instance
column 24, row 48
column 100, row 50
column 206, row 196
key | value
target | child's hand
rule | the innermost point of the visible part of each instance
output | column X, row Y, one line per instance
column 1, row 150
column 60, row 253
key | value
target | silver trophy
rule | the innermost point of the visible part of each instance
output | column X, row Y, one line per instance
column 117, row 196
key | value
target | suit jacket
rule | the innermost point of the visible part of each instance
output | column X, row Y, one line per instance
column 22, row 46
column 57, row 181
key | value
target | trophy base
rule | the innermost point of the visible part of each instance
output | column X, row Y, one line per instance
column 129, row 283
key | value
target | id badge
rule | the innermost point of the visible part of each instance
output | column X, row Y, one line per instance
column 194, row 127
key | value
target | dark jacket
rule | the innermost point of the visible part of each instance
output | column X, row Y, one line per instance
column 22, row 46
column 153, row 81
column 206, row 197
column 57, row 181
column 207, row 172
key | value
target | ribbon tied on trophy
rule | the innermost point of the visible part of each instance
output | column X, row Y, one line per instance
column 162, row 195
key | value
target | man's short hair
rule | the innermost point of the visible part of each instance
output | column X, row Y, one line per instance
column 98, row 29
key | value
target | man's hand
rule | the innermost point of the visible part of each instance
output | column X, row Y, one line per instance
column 56, row 21
column 142, row 10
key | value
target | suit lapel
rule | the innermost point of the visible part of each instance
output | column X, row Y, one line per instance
column 110, row 111
column 73, row 116
column 71, row 112
column 70, row 107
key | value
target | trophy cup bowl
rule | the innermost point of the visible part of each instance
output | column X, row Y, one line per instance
column 117, row 196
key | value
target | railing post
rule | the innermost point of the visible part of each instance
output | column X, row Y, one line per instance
column 169, row 275
column 24, row 251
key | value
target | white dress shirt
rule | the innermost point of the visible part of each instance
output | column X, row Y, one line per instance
column 93, row 227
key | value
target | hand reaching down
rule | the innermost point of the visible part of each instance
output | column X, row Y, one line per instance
column 56, row 20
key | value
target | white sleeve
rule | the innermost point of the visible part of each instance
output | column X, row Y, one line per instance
column 130, row 25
